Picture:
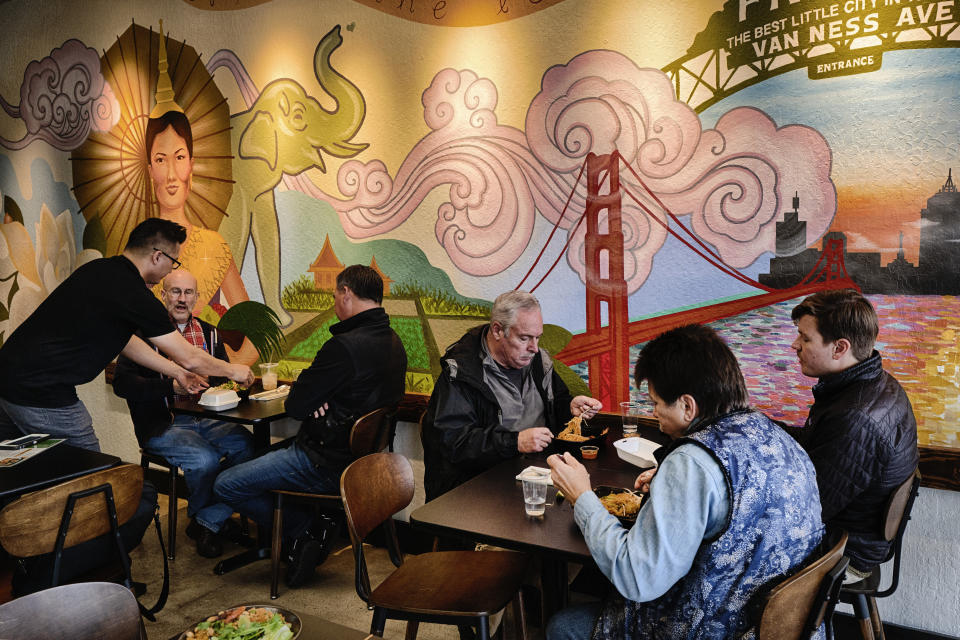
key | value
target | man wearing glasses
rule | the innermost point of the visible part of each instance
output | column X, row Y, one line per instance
column 196, row 445
column 88, row 320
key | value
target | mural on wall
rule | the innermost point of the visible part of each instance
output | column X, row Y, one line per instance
column 285, row 131
column 794, row 146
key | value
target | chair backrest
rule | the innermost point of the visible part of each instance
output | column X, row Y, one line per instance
column 371, row 432
column 896, row 513
column 29, row 525
column 373, row 488
column 81, row 611
column 898, row 507
column 796, row 607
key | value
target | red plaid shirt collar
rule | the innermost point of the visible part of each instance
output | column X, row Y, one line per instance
column 193, row 333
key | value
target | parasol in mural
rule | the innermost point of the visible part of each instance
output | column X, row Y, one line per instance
column 109, row 169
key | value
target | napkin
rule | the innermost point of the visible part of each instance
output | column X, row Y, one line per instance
column 536, row 473
column 273, row 394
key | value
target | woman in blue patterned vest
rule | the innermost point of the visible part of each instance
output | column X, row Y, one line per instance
column 733, row 507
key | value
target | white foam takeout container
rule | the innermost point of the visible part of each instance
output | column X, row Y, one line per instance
column 219, row 399
column 637, row 451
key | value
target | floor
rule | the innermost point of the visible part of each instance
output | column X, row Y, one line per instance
column 196, row 592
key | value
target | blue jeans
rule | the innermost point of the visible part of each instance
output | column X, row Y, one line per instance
column 246, row 487
column 72, row 422
column 574, row 623
column 196, row 446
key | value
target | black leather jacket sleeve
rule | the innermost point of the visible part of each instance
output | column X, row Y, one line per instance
column 470, row 434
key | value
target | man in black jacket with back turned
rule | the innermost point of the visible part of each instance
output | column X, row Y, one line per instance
column 362, row 367
column 861, row 433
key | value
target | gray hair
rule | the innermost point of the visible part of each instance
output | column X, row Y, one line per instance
column 507, row 305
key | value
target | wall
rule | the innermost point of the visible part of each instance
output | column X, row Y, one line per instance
column 756, row 154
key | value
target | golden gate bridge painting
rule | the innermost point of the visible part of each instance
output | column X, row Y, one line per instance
column 605, row 347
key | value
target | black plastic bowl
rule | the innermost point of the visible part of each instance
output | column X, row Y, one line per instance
column 561, row 446
column 604, row 490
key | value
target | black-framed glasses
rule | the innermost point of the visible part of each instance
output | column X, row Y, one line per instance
column 176, row 263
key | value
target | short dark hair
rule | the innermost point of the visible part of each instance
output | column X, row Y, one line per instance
column 694, row 360
column 156, row 126
column 842, row 313
column 364, row 281
column 153, row 231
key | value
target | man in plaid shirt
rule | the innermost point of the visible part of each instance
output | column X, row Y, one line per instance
column 196, row 445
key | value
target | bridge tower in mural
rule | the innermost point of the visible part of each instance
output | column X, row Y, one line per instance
column 605, row 346
column 606, row 286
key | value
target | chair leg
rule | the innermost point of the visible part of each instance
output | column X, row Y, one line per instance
column 275, row 546
column 519, row 616
column 172, row 515
column 862, row 612
column 875, row 618
column 379, row 621
column 412, row 627
column 483, row 628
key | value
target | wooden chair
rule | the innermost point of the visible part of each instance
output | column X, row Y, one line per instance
column 88, row 507
column 863, row 595
column 369, row 434
column 795, row 608
column 81, row 611
column 446, row 587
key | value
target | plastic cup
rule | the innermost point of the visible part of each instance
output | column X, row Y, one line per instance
column 630, row 412
column 268, row 376
column 589, row 452
column 534, row 497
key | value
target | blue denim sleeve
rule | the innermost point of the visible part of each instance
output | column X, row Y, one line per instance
column 688, row 502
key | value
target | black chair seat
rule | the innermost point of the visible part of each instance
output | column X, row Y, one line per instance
column 867, row 586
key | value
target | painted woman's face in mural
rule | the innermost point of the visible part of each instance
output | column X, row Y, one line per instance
column 170, row 169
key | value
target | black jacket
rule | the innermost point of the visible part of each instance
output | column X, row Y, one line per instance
column 454, row 455
column 862, row 438
column 149, row 394
column 362, row 367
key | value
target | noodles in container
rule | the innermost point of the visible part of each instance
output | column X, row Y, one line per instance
column 620, row 502
column 572, row 436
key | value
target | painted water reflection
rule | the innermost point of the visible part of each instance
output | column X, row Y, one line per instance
column 918, row 341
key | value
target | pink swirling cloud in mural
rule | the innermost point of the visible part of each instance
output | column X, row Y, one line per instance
column 730, row 180
column 62, row 98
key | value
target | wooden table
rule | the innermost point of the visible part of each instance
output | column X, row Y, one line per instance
column 257, row 414
column 58, row 464
column 489, row 508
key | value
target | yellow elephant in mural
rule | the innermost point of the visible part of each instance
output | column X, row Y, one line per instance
column 283, row 133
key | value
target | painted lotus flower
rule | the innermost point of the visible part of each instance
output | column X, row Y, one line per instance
column 28, row 272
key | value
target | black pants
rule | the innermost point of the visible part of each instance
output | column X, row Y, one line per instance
column 36, row 572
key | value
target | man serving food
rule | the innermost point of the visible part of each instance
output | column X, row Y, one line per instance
column 84, row 324
column 196, row 445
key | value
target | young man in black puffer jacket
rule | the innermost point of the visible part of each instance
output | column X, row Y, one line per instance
column 861, row 433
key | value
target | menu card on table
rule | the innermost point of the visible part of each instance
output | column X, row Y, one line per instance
column 13, row 457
